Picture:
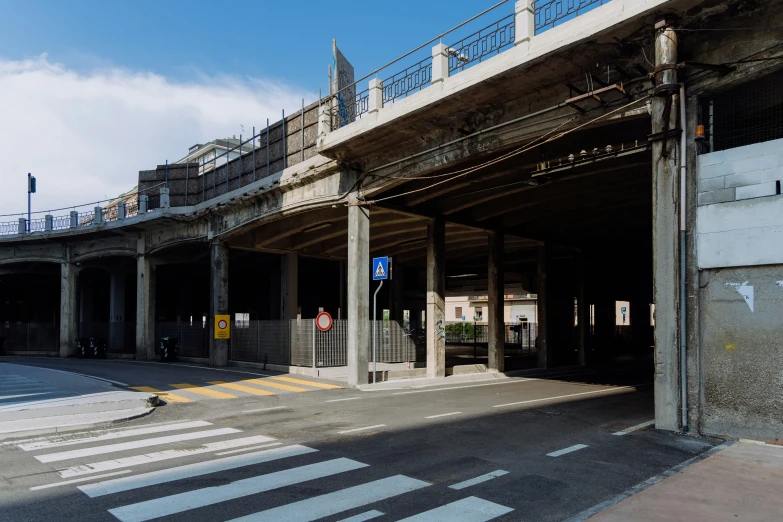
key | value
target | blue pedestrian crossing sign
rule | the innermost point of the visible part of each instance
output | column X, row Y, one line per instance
column 380, row 268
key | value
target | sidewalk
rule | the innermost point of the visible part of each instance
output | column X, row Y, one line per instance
column 740, row 483
column 40, row 400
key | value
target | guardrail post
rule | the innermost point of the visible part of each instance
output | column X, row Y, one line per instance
column 122, row 210
column 376, row 95
column 164, row 197
column 524, row 22
column 74, row 219
column 22, row 226
column 144, row 203
column 48, row 223
column 98, row 219
column 440, row 63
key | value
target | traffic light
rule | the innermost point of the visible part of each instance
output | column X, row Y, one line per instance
column 31, row 185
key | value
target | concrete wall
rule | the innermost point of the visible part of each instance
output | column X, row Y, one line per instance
column 742, row 351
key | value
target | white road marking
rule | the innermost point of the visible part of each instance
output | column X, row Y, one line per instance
column 361, row 517
column 32, row 446
column 51, row 437
column 341, row 400
column 252, row 448
column 75, row 481
column 444, row 415
column 123, row 446
column 136, row 460
column 463, row 387
column 361, row 429
column 192, row 366
column 569, row 449
column 5, row 397
column 565, row 396
column 163, row 506
column 479, row 479
column 332, row 503
column 471, row 509
column 638, row 427
column 198, row 469
column 266, row 409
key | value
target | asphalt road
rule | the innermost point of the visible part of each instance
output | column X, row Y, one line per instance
column 515, row 449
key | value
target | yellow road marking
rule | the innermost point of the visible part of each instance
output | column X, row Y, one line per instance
column 166, row 396
column 239, row 387
column 203, row 391
column 308, row 383
column 271, row 384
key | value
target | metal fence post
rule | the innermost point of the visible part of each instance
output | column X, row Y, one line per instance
column 241, row 162
column 285, row 144
column 314, row 347
column 254, row 153
column 302, row 129
column 187, row 180
column 267, row 147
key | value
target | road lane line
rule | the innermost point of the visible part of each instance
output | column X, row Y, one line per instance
column 322, row 506
column 444, row 415
column 197, row 469
column 361, row 517
column 279, row 386
column 266, row 409
column 33, row 446
column 479, row 479
column 308, row 383
column 471, row 509
column 347, row 399
column 361, row 429
column 179, row 503
column 638, row 427
column 239, row 387
column 123, row 446
column 136, row 460
column 203, row 391
column 565, row 396
column 430, row 390
column 252, row 448
column 76, row 481
column 166, row 396
column 567, row 450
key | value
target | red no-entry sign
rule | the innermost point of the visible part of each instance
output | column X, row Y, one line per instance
column 323, row 321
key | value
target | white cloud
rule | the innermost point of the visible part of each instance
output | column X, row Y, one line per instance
column 85, row 136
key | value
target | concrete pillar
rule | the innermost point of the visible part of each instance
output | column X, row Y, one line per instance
column 74, row 219
column 22, row 229
column 440, row 63
column 117, row 310
column 358, row 291
column 122, row 210
column 289, row 286
column 145, row 303
column 98, row 213
column 376, row 95
column 524, row 22
column 495, row 304
column 665, row 240
column 68, row 308
column 436, row 293
column 48, row 223
column 165, row 202
column 218, row 348
column 144, row 204
column 542, row 332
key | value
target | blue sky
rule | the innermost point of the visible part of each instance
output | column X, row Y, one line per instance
column 289, row 41
column 93, row 91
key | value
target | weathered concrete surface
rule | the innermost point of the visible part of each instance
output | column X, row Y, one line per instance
column 145, row 303
column 495, row 304
column 742, row 355
column 358, row 291
column 741, row 482
column 218, row 348
column 436, row 295
column 68, row 280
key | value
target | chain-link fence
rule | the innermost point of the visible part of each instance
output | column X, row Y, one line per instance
column 29, row 337
column 193, row 338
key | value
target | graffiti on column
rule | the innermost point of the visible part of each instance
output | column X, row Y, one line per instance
column 440, row 325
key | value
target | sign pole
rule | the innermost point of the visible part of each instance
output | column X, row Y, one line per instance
column 375, row 333
column 29, row 188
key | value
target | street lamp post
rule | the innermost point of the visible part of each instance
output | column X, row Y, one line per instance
column 30, row 190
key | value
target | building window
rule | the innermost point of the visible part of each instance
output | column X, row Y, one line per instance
column 458, row 312
column 479, row 313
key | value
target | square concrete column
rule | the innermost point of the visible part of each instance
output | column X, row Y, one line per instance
column 542, row 328
column 145, row 304
column 358, row 291
column 376, row 95
column 68, row 309
column 117, row 311
column 524, row 22
column 289, row 286
column 436, row 293
column 218, row 266
column 440, row 63
column 495, row 304
column 582, row 312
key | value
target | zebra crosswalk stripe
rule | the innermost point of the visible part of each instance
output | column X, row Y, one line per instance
column 160, row 507
column 471, row 509
column 308, row 383
column 213, row 394
column 338, row 501
column 239, row 387
column 154, row 478
column 166, row 396
column 279, row 386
